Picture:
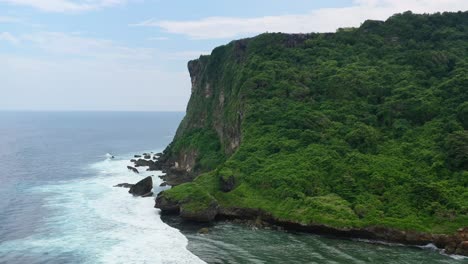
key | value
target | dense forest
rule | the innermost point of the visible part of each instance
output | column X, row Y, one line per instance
column 365, row 126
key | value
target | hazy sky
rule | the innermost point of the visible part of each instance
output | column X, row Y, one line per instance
column 132, row 54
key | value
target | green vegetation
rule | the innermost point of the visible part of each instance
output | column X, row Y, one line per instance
column 362, row 127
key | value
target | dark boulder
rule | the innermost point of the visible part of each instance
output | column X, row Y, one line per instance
column 124, row 185
column 462, row 248
column 147, row 157
column 147, row 194
column 137, row 156
column 142, row 187
column 163, row 184
column 133, row 169
column 133, row 160
column 153, row 166
column 143, row 162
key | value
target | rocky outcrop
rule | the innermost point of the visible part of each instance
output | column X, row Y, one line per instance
column 149, row 194
column 142, row 187
column 132, row 169
column 152, row 166
column 124, row 185
column 203, row 215
column 166, row 205
column 452, row 244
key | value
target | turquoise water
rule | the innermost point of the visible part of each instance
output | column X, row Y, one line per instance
column 57, row 203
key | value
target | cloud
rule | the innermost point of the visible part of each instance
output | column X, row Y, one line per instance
column 319, row 20
column 6, row 36
column 65, row 5
column 60, row 43
column 78, row 72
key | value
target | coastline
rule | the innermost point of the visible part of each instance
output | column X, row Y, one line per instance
column 454, row 245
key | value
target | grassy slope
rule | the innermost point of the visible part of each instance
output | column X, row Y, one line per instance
column 362, row 127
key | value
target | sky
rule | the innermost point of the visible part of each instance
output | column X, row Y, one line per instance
column 131, row 55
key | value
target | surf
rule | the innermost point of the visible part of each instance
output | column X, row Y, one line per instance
column 98, row 223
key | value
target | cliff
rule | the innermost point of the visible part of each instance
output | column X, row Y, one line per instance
column 362, row 132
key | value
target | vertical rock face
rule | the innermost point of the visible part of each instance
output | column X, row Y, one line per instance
column 213, row 117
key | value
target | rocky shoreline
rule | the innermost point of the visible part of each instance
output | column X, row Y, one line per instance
column 450, row 244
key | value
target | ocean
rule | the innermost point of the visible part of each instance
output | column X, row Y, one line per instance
column 58, row 203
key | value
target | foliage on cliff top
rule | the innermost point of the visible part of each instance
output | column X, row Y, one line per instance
column 361, row 127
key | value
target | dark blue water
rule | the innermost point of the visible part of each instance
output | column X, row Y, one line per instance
column 57, row 203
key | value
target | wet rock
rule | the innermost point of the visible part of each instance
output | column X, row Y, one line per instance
column 204, row 230
column 163, row 184
column 124, row 185
column 133, row 160
column 142, row 187
column 147, row 194
column 462, row 248
column 166, row 205
column 143, row 162
column 133, row 169
column 201, row 215
column 137, row 156
column 147, row 156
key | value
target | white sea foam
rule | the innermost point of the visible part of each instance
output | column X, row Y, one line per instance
column 105, row 224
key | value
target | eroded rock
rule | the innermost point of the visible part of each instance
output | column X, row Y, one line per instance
column 124, row 185
column 142, row 187
column 133, row 169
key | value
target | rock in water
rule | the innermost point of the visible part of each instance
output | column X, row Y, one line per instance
column 142, row 162
column 147, row 157
column 142, row 187
column 147, row 194
column 204, row 230
column 124, row 185
column 133, row 169
column 137, row 156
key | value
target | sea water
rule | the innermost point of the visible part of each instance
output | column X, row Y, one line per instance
column 57, row 200
column 58, row 203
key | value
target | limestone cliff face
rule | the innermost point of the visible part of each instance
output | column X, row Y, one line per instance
column 213, row 117
column 215, row 111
